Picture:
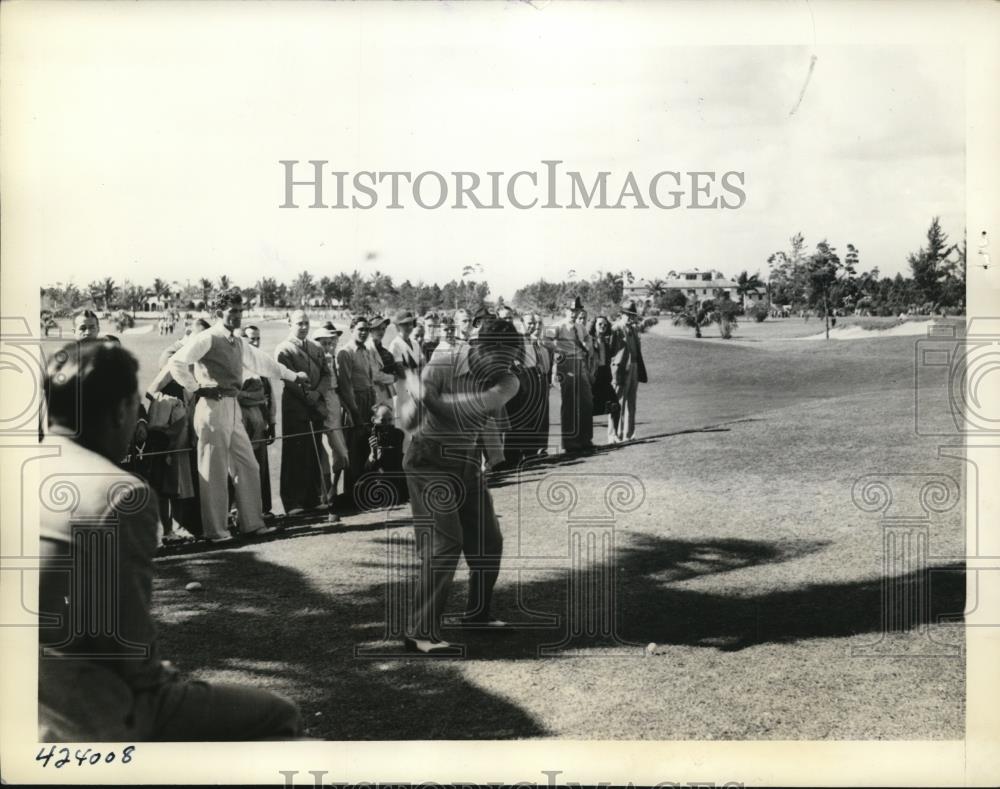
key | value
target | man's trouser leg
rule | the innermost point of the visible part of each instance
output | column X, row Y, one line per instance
column 577, row 409
column 213, row 431
column 586, row 406
column 435, row 490
column 568, row 416
column 482, row 544
column 295, row 474
column 198, row 711
column 357, row 445
column 256, row 427
column 245, row 473
column 264, row 464
column 627, row 424
column 542, row 423
column 338, row 448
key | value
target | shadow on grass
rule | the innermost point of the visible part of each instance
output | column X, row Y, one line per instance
column 267, row 623
column 505, row 476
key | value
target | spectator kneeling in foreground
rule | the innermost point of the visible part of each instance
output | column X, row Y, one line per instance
column 100, row 676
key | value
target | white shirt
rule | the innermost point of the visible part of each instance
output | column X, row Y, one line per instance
column 254, row 360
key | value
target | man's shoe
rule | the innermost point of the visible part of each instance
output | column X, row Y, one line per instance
column 428, row 646
column 268, row 516
column 294, row 511
column 222, row 540
column 262, row 531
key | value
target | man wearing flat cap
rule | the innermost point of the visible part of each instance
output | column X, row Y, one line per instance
column 628, row 370
column 219, row 359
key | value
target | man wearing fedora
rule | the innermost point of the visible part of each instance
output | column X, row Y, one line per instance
column 328, row 336
column 627, row 370
column 566, row 341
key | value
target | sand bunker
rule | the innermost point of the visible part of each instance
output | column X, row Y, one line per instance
column 907, row 329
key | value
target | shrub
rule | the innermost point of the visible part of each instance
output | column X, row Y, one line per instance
column 759, row 312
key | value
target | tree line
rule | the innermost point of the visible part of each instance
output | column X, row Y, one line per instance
column 825, row 281
column 822, row 281
column 359, row 293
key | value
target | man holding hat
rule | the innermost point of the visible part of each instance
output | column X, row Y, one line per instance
column 305, row 468
column 407, row 355
column 566, row 340
column 383, row 365
column 219, row 359
column 627, row 370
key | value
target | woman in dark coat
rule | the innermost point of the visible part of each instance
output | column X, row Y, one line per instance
column 605, row 400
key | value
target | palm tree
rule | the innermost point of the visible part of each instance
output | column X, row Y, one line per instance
column 267, row 288
column 108, row 289
column 206, row 289
column 747, row 284
column 722, row 312
column 224, row 283
column 160, row 289
column 694, row 317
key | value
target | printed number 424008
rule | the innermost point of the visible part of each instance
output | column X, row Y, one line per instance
column 60, row 757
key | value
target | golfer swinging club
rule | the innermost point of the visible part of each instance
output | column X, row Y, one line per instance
column 452, row 508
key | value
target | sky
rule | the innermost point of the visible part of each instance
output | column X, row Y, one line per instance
column 148, row 140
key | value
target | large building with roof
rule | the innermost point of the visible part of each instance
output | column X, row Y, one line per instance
column 696, row 285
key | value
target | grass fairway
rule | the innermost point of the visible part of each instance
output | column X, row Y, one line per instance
column 746, row 563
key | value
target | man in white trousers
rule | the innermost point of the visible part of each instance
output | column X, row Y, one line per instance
column 219, row 358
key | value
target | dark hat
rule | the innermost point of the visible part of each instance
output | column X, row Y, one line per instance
column 630, row 307
column 482, row 314
column 327, row 332
column 403, row 316
column 377, row 321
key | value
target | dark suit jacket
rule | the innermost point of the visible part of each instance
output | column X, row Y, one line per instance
column 621, row 356
column 308, row 357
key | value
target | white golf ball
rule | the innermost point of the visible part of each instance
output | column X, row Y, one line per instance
column 194, row 586
column 650, row 648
